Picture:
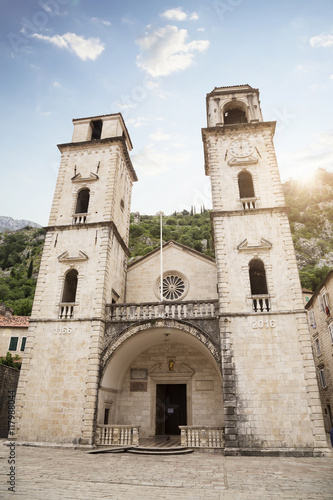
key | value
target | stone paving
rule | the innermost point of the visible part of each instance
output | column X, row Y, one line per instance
column 65, row 473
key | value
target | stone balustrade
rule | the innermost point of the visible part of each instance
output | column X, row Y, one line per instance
column 118, row 435
column 201, row 436
column 66, row 310
column 261, row 303
column 248, row 203
column 154, row 310
column 80, row 218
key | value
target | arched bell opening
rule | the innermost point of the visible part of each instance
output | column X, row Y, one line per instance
column 161, row 378
column 234, row 112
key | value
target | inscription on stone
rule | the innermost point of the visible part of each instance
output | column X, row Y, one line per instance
column 138, row 374
column 138, row 386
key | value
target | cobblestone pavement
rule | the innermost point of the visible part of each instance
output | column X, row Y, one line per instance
column 63, row 473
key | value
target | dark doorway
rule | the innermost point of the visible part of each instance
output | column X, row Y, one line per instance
column 170, row 408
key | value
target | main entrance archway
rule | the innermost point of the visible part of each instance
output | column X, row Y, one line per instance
column 159, row 376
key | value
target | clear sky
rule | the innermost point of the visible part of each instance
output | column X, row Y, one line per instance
column 155, row 61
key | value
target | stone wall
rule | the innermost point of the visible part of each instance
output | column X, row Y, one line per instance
column 200, row 272
column 8, row 382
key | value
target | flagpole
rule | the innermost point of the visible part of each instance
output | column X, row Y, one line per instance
column 161, row 213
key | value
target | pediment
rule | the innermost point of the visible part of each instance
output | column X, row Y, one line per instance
column 263, row 245
column 78, row 177
column 178, row 368
column 65, row 257
column 235, row 162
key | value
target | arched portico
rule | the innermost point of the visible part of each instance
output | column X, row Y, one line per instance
column 159, row 375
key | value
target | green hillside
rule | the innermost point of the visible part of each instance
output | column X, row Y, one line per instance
column 311, row 220
column 20, row 254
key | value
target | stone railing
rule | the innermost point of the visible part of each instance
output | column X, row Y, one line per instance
column 201, row 436
column 66, row 310
column 248, row 203
column 261, row 303
column 118, row 435
column 154, row 310
column 80, row 218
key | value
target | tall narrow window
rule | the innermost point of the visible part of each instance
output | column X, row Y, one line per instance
column 322, row 378
column 24, row 339
column 82, row 201
column 330, row 329
column 70, row 286
column 317, row 344
column 245, row 185
column 106, row 415
column 96, row 126
column 258, row 278
column 13, row 343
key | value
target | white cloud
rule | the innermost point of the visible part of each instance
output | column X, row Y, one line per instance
column 179, row 15
column 42, row 113
column 165, row 51
column 331, row 77
column 137, row 122
column 318, row 154
column 175, row 14
column 159, row 135
column 89, row 48
column 56, row 84
column 152, row 162
column 321, row 41
column 102, row 21
column 301, row 69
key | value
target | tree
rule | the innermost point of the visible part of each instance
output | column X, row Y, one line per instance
column 9, row 360
column 31, row 266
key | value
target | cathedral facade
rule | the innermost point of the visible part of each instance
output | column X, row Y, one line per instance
column 219, row 352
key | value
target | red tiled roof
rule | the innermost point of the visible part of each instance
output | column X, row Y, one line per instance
column 14, row 321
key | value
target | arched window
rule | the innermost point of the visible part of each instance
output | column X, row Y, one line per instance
column 82, row 201
column 70, row 286
column 245, row 185
column 258, row 277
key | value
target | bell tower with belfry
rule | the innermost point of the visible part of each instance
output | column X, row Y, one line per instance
column 83, row 268
column 270, row 392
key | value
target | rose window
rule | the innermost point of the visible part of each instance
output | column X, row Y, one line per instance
column 175, row 286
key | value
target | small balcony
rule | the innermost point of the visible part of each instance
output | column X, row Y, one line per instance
column 199, row 309
column 248, row 203
column 80, row 218
column 261, row 303
column 66, row 310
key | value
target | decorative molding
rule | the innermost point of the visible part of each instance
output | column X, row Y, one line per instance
column 263, row 245
column 78, row 178
column 235, row 162
column 65, row 257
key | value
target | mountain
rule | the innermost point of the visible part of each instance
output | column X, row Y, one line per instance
column 10, row 224
column 310, row 215
column 311, row 221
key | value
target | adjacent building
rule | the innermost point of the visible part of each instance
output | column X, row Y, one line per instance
column 13, row 332
column 321, row 329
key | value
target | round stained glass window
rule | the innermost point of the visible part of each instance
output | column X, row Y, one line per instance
column 175, row 286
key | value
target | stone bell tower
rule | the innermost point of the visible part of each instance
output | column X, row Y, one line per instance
column 83, row 267
column 271, row 402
